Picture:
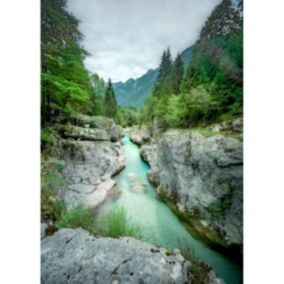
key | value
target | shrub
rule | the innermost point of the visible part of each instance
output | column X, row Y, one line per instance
column 47, row 137
column 52, row 208
column 52, row 181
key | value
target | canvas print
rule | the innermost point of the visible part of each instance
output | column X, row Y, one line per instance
column 141, row 141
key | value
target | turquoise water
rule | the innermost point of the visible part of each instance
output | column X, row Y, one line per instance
column 137, row 196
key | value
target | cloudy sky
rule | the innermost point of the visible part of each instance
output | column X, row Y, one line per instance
column 127, row 37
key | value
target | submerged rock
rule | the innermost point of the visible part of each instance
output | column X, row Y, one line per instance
column 73, row 256
column 201, row 178
column 138, row 187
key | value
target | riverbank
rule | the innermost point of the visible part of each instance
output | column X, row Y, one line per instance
column 80, row 159
column 199, row 174
column 135, row 193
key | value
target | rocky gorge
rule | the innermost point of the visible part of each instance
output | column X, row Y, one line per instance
column 91, row 150
column 92, row 154
column 199, row 174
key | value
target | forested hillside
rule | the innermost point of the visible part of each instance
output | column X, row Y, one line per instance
column 66, row 85
column 96, row 189
column 67, row 88
column 134, row 92
column 210, row 88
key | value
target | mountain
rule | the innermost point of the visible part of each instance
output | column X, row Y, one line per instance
column 225, row 19
column 134, row 91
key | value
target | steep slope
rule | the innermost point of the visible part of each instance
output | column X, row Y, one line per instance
column 200, row 174
column 90, row 152
column 201, row 179
column 134, row 91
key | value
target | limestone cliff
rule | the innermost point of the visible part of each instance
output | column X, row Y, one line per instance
column 92, row 153
column 202, row 179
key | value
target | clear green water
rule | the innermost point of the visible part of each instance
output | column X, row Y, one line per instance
column 137, row 196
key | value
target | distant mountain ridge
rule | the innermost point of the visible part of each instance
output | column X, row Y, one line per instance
column 134, row 91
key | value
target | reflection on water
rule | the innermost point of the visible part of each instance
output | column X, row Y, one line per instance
column 137, row 196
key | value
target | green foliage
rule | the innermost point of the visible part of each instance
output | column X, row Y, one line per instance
column 98, row 94
column 175, row 112
column 210, row 89
column 51, row 207
column 65, row 81
column 98, row 85
column 110, row 101
column 116, row 224
column 205, row 131
column 80, row 217
column 177, row 74
column 164, row 81
column 148, row 110
column 47, row 137
column 127, row 116
column 67, row 96
column 218, row 63
column 52, row 181
column 161, row 112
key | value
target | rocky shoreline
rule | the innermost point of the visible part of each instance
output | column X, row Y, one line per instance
column 200, row 177
column 92, row 155
column 91, row 149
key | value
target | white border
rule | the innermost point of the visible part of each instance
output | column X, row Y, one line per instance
column 19, row 150
column 264, row 141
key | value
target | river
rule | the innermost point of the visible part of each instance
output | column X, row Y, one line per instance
column 137, row 196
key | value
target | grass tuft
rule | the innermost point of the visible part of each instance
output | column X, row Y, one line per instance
column 52, row 180
column 80, row 217
column 116, row 224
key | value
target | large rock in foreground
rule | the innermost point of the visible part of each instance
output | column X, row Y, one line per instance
column 73, row 256
column 201, row 178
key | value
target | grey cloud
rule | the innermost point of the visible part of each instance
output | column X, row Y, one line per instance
column 127, row 37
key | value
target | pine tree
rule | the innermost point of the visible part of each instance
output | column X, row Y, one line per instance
column 163, row 83
column 177, row 76
column 65, row 81
column 110, row 101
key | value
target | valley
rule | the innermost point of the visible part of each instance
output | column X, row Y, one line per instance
column 142, row 180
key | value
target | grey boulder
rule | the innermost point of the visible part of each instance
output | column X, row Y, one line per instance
column 74, row 256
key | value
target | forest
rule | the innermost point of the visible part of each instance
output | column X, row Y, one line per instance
column 208, row 90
